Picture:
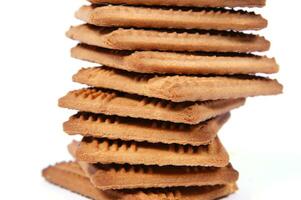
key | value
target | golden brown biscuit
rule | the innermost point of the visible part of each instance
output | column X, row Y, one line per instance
column 178, row 88
column 206, row 19
column 106, row 151
column 114, row 176
column 126, row 176
column 126, row 105
column 63, row 174
column 139, row 39
column 153, row 131
column 176, row 63
column 189, row 3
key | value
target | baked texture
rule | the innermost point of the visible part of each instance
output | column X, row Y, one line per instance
column 176, row 63
column 167, row 40
column 141, row 17
column 178, row 88
column 114, row 176
column 192, row 3
column 107, row 177
column 64, row 175
column 121, row 104
column 140, row 130
column 106, row 151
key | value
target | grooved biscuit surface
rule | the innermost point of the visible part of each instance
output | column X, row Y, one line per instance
column 121, row 104
column 105, row 151
column 72, row 167
column 139, row 176
column 139, row 39
column 176, row 63
column 178, row 88
column 192, row 3
column 114, row 176
column 206, row 19
column 153, row 131
column 80, row 184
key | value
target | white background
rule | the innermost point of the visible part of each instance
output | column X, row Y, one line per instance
column 263, row 138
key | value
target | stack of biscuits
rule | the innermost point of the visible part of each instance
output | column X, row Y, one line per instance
column 170, row 72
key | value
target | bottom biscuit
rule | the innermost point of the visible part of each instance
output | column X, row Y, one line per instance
column 70, row 176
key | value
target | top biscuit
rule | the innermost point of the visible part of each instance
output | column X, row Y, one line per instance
column 150, row 17
column 188, row 3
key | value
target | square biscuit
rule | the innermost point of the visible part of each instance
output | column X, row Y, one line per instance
column 178, row 88
column 94, row 150
column 176, row 63
column 140, row 130
column 128, row 105
column 187, row 3
column 151, row 17
column 69, row 176
column 115, row 176
column 167, row 40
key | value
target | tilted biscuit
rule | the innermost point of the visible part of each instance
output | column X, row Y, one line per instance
column 153, row 131
column 126, row 105
column 139, row 39
column 188, row 3
column 114, row 176
column 176, row 63
column 206, row 19
column 63, row 174
column 70, row 166
column 93, row 150
column 178, row 88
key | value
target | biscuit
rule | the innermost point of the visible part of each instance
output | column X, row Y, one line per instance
column 141, row 17
column 188, row 3
column 176, row 63
column 139, row 39
column 126, row 176
column 126, row 105
column 178, row 88
column 106, row 151
column 114, row 176
column 140, row 130
column 139, row 176
column 79, row 183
